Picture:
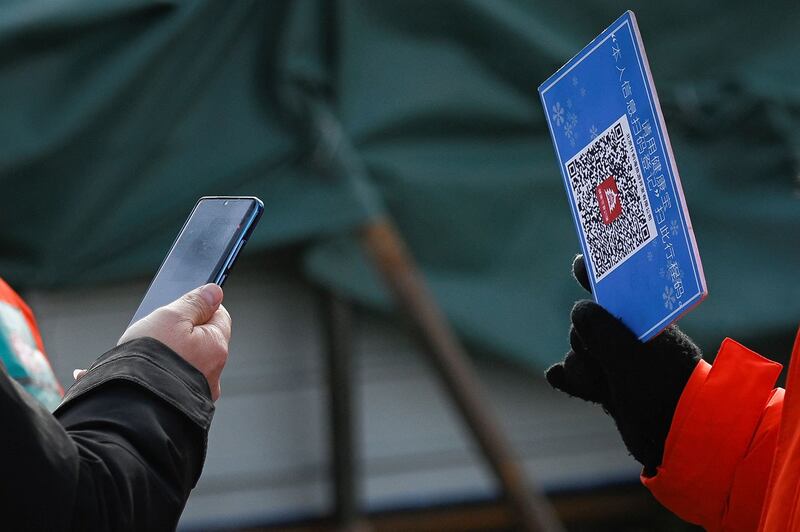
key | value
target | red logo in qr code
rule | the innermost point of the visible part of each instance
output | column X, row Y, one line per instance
column 609, row 200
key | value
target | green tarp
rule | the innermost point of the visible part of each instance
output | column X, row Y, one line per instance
column 117, row 115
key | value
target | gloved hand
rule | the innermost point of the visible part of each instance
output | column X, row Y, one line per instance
column 637, row 383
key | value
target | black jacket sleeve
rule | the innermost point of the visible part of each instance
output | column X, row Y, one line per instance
column 121, row 452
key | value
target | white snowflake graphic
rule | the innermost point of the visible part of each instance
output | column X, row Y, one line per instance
column 573, row 118
column 669, row 297
column 569, row 103
column 558, row 114
column 593, row 132
column 650, row 256
column 575, row 81
column 570, row 129
column 675, row 227
column 583, row 91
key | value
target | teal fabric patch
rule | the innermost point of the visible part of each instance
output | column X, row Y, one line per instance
column 23, row 359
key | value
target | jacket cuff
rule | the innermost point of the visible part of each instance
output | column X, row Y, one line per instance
column 716, row 417
column 154, row 366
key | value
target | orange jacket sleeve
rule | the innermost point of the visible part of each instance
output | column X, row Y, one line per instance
column 721, row 443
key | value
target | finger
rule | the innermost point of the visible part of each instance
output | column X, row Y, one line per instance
column 199, row 305
column 575, row 341
column 557, row 378
column 221, row 320
column 78, row 373
column 579, row 376
column 604, row 336
column 580, row 273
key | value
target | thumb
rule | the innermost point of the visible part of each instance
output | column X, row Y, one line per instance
column 199, row 305
column 580, row 273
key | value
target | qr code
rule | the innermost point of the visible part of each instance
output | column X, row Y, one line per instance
column 611, row 199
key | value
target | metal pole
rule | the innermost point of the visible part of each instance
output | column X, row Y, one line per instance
column 337, row 318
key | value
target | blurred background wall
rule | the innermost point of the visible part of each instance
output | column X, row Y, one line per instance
column 118, row 114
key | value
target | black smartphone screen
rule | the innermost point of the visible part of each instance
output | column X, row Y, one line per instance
column 204, row 251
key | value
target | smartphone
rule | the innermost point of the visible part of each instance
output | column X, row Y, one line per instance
column 205, row 250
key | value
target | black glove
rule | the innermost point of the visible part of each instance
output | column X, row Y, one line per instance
column 637, row 383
